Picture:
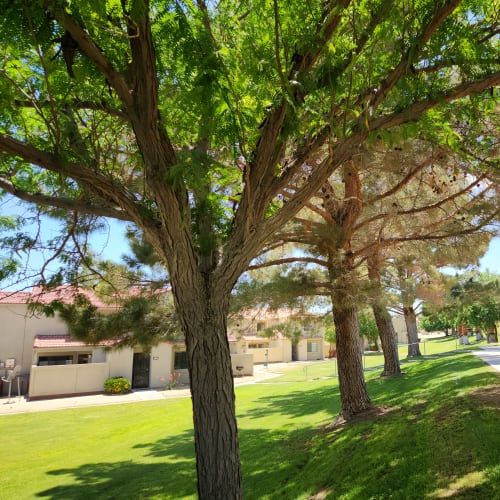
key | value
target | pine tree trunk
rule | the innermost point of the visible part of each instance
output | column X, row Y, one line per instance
column 386, row 331
column 411, row 328
column 388, row 339
column 353, row 392
column 212, row 392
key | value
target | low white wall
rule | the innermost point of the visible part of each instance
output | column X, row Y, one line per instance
column 242, row 360
column 67, row 379
column 281, row 352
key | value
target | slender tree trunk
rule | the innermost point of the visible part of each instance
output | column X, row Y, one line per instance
column 386, row 331
column 212, row 393
column 411, row 328
column 389, row 342
column 353, row 392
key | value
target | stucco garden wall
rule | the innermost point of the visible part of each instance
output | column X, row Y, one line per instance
column 67, row 379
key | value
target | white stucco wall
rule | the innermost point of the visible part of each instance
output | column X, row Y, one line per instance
column 17, row 331
column 244, row 362
column 161, row 365
column 400, row 329
column 98, row 355
column 120, row 363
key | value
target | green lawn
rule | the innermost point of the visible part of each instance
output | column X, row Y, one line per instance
column 438, row 439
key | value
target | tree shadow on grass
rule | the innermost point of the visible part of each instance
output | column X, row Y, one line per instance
column 403, row 456
column 298, row 403
column 173, row 477
column 179, row 447
column 126, row 480
column 431, row 380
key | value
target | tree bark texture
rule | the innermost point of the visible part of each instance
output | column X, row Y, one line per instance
column 353, row 392
column 212, row 392
column 411, row 328
column 389, row 342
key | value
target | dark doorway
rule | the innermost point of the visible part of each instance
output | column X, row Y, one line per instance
column 140, row 371
column 295, row 355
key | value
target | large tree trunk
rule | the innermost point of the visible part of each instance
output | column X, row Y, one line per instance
column 353, row 392
column 389, row 342
column 212, row 392
column 411, row 328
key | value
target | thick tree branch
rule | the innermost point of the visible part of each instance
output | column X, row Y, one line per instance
column 93, row 180
column 64, row 203
column 392, row 79
column 271, row 145
column 90, row 49
column 417, row 109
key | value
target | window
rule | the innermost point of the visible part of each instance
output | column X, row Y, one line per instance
column 260, row 326
column 55, row 360
column 180, row 360
column 312, row 347
column 258, row 345
column 84, row 359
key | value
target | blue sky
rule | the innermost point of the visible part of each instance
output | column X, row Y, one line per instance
column 491, row 259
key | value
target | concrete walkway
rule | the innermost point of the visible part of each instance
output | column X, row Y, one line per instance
column 489, row 354
column 19, row 404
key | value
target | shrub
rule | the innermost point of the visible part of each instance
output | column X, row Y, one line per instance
column 116, row 385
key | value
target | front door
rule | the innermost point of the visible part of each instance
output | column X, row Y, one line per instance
column 140, row 371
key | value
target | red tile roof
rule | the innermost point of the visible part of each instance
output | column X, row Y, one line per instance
column 63, row 341
column 65, row 294
column 14, row 297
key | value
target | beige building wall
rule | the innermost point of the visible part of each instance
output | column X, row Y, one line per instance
column 305, row 354
column 400, row 329
column 302, row 351
column 161, row 365
column 18, row 328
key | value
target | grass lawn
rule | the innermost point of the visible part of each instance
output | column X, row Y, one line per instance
column 438, row 438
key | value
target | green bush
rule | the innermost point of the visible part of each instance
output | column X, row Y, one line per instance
column 116, row 385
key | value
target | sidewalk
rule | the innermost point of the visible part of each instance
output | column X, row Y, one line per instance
column 22, row 405
column 489, row 354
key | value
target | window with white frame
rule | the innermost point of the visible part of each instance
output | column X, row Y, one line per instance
column 312, row 347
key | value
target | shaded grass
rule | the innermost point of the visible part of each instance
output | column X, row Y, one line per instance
column 439, row 439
